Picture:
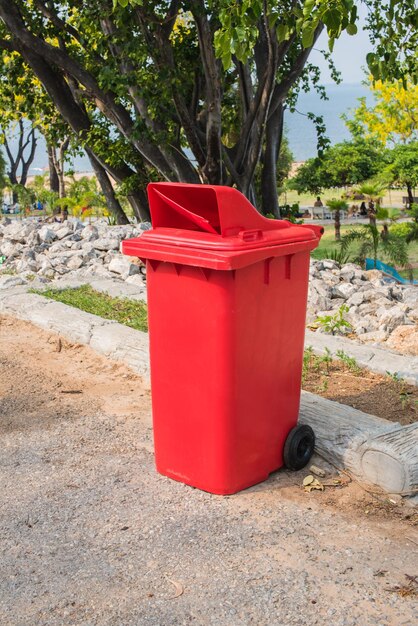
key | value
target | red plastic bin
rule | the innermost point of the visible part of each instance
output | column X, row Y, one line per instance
column 227, row 292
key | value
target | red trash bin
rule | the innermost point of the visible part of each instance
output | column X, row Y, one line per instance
column 227, row 292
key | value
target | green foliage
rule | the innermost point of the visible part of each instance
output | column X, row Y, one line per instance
column 24, row 195
column 290, row 212
column 129, row 312
column 388, row 213
column 309, row 177
column 413, row 212
column 403, row 163
column 338, row 255
column 373, row 190
column 337, row 205
column 401, row 230
column 284, row 162
column 336, row 323
column 346, row 163
column 371, row 244
column 83, row 199
column 393, row 29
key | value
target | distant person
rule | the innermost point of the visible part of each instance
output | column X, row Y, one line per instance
column 363, row 209
column 318, row 202
column 39, row 206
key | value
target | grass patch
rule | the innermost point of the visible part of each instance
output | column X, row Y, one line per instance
column 129, row 312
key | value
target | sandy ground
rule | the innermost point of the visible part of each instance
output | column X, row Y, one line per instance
column 91, row 534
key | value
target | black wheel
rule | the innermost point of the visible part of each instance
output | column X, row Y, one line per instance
column 299, row 447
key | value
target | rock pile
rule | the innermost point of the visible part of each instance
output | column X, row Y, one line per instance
column 378, row 310
column 70, row 249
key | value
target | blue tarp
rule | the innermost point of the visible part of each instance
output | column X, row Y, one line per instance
column 389, row 271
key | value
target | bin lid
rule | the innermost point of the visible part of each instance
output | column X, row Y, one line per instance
column 214, row 226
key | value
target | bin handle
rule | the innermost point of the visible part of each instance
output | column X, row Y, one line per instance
column 198, row 220
column 251, row 235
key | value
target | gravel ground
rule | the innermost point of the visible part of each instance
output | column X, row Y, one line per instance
column 91, row 534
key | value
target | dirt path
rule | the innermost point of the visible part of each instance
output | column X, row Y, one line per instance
column 91, row 534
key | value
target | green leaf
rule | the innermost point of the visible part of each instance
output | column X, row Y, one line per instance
column 283, row 32
column 332, row 19
column 308, row 33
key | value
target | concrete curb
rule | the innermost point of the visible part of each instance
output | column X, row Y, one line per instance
column 375, row 359
column 355, row 436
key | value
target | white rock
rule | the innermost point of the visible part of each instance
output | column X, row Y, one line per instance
column 75, row 262
column 392, row 318
column 410, row 295
column 374, row 336
column 18, row 231
column 33, row 239
column 28, row 265
column 355, row 299
column 64, row 231
column 137, row 280
column 47, row 235
column 123, row 266
column 343, row 290
column 89, row 233
column 9, row 249
column 328, row 264
column 7, row 281
column 106, row 244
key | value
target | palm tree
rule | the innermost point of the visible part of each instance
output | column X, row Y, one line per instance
column 393, row 247
column 374, row 192
column 336, row 206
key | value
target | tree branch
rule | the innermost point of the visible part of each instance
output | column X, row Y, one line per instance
column 212, row 170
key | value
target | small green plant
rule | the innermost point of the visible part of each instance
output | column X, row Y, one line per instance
column 307, row 361
column 394, row 376
column 326, row 359
column 323, row 387
column 9, row 271
column 349, row 361
column 404, row 393
column 334, row 324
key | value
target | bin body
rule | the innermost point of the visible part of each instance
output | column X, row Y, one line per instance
column 226, row 351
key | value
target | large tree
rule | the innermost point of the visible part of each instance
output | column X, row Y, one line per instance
column 345, row 164
column 403, row 167
column 195, row 89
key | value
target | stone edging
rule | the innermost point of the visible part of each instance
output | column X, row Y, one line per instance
column 375, row 359
column 373, row 449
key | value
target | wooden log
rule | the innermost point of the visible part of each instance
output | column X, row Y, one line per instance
column 374, row 450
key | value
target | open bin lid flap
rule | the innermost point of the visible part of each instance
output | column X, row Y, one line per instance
column 212, row 218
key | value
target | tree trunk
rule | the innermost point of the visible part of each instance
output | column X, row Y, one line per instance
column 372, row 213
column 53, row 176
column 139, row 203
column 26, row 163
column 410, row 194
column 274, row 133
column 337, row 222
column 113, row 203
